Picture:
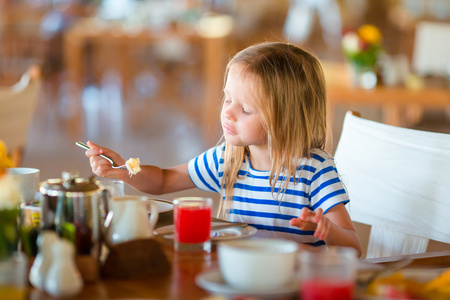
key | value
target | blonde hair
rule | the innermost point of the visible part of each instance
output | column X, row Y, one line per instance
column 292, row 103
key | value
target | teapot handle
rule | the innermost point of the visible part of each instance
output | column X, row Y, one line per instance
column 106, row 215
column 106, row 195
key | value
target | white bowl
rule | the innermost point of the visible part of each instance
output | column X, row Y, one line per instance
column 257, row 264
column 29, row 181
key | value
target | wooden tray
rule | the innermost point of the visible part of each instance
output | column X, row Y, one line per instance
column 136, row 259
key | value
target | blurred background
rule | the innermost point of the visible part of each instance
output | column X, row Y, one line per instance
column 144, row 77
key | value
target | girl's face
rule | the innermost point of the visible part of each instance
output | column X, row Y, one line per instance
column 240, row 117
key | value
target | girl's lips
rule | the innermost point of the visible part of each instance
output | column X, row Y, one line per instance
column 228, row 130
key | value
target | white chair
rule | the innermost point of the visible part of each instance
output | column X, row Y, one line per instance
column 398, row 180
column 427, row 59
column 17, row 106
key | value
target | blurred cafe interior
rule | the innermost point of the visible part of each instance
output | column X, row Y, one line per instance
column 144, row 77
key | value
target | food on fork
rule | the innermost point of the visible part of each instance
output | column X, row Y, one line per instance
column 133, row 166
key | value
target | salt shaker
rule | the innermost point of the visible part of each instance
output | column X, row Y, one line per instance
column 43, row 259
column 63, row 278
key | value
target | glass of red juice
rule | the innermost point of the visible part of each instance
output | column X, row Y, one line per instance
column 328, row 274
column 192, row 219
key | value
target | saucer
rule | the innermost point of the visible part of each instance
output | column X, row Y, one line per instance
column 213, row 282
column 222, row 234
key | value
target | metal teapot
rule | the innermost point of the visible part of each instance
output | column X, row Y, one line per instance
column 74, row 207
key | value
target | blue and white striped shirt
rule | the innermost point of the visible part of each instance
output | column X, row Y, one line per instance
column 254, row 203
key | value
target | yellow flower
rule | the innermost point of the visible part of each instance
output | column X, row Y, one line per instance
column 5, row 160
column 370, row 34
column 362, row 47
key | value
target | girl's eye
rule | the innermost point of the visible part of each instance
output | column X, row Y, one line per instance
column 227, row 100
column 246, row 112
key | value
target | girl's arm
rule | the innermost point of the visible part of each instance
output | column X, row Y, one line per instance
column 335, row 227
column 157, row 181
column 342, row 232
column 151, row 179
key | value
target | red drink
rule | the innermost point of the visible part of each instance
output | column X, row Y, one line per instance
column 326, row 289
column 192, row 223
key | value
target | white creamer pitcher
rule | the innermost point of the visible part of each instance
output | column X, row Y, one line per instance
column 128, row 219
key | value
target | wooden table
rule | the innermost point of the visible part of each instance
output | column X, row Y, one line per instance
column 115, row 36
column 400, row 105
column 431, row 259
column 180, row 282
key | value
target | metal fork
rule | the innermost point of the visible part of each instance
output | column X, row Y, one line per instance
column 386, row 271
column 114, row 165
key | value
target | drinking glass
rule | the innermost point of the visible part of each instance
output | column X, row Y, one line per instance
column 114, row 186
column 14, row 277
column 192, row 218
column 328, row 274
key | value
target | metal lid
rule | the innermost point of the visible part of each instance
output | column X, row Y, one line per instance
column 69, row 183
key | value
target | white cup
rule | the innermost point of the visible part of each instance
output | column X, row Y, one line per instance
column 28, row 179
column 258, row 264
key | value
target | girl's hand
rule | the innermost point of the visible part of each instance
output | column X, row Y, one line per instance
column 100, row 166
column 313, row 220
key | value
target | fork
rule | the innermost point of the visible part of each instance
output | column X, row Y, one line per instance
column 114, row 165
column 389, row 269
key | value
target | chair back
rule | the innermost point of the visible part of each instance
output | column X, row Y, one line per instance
column 17, row 107
column 398, row 181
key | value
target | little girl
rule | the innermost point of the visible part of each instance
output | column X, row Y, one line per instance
column 271, row 171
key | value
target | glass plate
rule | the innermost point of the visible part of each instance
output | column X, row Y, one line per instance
column 222, row 234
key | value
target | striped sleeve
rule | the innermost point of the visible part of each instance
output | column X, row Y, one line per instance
column 326, row 188
column 204, row 169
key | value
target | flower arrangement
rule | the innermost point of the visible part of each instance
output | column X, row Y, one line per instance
column 363, row 46
column 5, row 160
column 10, row 202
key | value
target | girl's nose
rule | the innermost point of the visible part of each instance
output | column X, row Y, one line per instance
column 229, row 113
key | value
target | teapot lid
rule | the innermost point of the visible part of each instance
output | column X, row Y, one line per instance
column 70, row 182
